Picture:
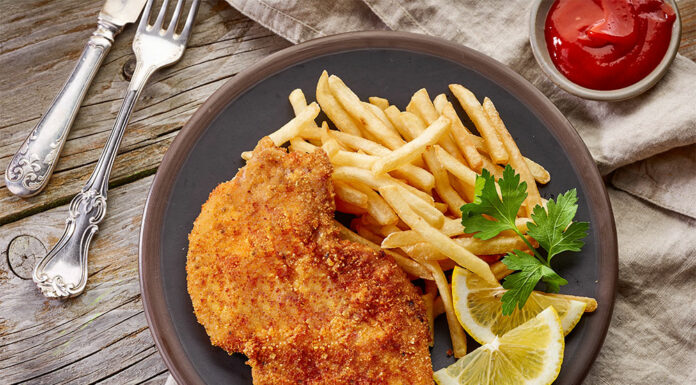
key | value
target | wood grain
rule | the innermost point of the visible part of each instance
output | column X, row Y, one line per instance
column 224, row 43
column 102, row 336
column 687, row 11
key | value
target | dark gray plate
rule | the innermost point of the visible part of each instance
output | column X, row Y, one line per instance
column 388, row 64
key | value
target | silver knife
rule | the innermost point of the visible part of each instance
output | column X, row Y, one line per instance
column 31, row 167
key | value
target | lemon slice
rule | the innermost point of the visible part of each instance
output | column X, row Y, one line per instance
column 530, row 354
column 478, row 307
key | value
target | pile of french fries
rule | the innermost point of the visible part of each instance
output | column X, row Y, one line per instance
column 405, row 175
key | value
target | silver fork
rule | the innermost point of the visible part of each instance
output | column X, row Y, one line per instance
column 62, row 273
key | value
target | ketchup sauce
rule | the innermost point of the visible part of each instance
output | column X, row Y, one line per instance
column 608, row 44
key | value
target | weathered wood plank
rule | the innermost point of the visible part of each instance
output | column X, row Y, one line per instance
column 224, row 42
column 687, row 11
column 101, row 334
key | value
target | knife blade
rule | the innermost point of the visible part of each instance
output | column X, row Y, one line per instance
column 31, row 167
column 121, row 12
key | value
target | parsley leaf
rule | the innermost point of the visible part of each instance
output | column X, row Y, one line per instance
column 502, row 208
column 552, row 227
column 495, row 209
column 521, row 283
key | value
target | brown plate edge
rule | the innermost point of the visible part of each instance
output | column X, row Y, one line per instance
column 161, row 326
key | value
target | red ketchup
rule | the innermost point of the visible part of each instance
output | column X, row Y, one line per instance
column 608, row 44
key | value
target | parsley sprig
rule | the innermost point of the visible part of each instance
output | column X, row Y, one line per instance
column 553, row 228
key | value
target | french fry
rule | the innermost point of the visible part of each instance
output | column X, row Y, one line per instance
column 388, row 229
column 350, row 194
column 499, row 270
column 298, row 144
column 442, row 185
column 407, row 264
column 501, row 244
column 516, row 159
column 414, row 174
column 473, row 108
column 438, row 102
column 297, row 100
column 419, row 177
column 423, row 251
column 330, row 145
column 355, row 108
column 412, row 125
column 431, row 287
column 457, row 168
column 292, row 128
column 538, row 171
column 377, row 207
column 447, row 264
column 353, row 159
column 333, row 109
column 541, row 175
column 493, row 168
column 438, row 307
column 425, row 197
column 451, row 228
column 348, row 208
column 366, row 233
column 246, row 155
column 381, row 116
column 411, row 150
column 357, row 142
column 358, row 175
column 394, row 116
column 442, row 207
column 311, row 131
column 369, row 221
column 462, row 137
column 424, row 108
column 456, row 330
column 382, row 103
column 428, row 212
column 440, row 241
column 464, row 190
column 401, row 239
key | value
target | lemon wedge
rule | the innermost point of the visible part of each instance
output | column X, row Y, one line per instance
column 478, row 307
column 530, row 354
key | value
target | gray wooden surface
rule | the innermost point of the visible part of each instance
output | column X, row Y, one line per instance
column 102, row 336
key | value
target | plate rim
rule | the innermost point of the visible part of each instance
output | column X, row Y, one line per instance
column 158, row 319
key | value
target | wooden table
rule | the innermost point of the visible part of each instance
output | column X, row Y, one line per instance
column 102, row 336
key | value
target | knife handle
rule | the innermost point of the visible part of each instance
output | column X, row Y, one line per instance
column 31, row 167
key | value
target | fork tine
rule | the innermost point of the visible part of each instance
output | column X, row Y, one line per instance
column 175, row 17
column 160, row 17
column 145, row 16
column 189, row 21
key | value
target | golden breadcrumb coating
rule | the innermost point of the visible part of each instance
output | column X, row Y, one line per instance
column 270, row 278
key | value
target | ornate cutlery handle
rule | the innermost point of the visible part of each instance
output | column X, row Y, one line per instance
column 62, row 273
column 31, row 167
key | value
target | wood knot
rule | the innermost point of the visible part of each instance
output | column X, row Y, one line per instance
column 128, row 68
column 23, row 253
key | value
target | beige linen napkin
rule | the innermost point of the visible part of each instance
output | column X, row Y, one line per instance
column 653, row 334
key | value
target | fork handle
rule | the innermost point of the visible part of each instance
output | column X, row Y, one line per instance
column 62, row 273
column 31, row 167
